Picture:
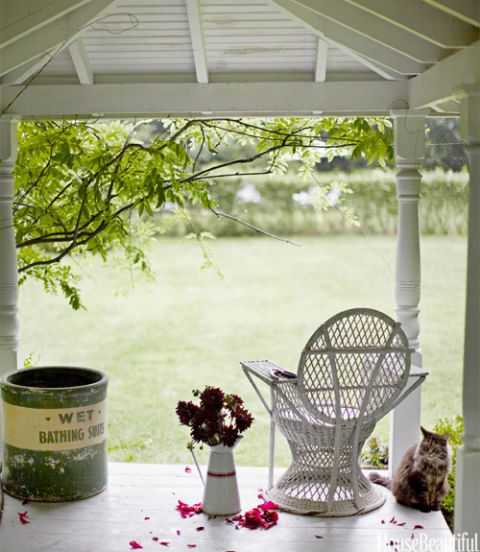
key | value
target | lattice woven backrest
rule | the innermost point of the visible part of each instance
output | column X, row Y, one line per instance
column 358, row 357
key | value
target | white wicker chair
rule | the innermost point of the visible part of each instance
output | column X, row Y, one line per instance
column 353, row 370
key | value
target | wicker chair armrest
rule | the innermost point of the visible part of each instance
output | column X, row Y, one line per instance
column 415, row 379
column 266, row 370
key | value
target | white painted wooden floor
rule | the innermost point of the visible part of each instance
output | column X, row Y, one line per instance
column 109, row 521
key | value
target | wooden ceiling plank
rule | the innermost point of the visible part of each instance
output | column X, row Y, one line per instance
column 465, row 10
column 60, row 32
column 34, row 19
column 330, row 30
column 425, row 21
column 376, row 29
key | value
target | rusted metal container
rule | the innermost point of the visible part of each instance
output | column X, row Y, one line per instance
column 54, row 433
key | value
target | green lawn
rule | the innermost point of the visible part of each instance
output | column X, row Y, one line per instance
column 191, row 328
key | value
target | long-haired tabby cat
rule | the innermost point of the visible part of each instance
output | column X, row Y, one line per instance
column 420, row 480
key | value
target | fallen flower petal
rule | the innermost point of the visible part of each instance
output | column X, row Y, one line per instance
column 417, row 527
column 165, row 543
column 401, row 524
column 146, row 517
column 188, row 511
column 178, row 532
column 188, row 469
column 155, row 538
column 269, row 505
column 191, row 546
column 22, row 516
column 382, row 522
column 134, row 545
column 393, row 520
column 200, row 528
column 318, row 537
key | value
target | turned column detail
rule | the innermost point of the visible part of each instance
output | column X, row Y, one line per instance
column 8, row 254
column 409, row 136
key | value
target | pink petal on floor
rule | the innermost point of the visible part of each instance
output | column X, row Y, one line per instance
column 134, row 545
column 188, row 469
column 22, row 516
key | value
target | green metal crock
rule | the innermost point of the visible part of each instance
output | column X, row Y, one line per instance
column 54, row 433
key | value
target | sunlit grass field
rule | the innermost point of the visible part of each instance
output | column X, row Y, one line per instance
column 190, row 328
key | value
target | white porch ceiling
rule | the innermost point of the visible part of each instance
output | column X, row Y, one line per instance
column 81, row 53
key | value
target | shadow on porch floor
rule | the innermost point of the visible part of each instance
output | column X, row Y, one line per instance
column 139, row 504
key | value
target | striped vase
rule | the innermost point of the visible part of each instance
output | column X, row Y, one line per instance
column 221, row 495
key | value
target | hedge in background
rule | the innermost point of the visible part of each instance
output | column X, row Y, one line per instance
column 284, row 205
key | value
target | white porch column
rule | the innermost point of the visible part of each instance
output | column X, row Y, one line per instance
column 467, row 483
column 8, row 252
column 409, row 135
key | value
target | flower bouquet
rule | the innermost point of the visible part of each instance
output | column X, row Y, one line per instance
column 217, row 421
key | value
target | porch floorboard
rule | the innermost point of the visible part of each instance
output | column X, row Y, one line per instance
column 109, row 521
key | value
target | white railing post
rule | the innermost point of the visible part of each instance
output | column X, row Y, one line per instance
column 409, row 135
column 467, row 486
column 8, row 252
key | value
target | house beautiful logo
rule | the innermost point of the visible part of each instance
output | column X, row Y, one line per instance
column 460, row 542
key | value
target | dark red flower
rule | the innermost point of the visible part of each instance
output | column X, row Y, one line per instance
column 186, row 411
column 212, row 398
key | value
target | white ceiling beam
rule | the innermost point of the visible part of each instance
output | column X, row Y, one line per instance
column 81, row 62
column 25, row 71
column 330, row 30
column 198, row 41
column 372, row 27
column 130, row 100
column 443, row 82
column 380, row 70
column 61, row 32
column 16, row 25
column 465, row 10
column 422, row 20
column 450, row 106
column 320, row 73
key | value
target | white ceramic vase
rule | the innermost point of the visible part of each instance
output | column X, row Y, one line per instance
column 220, row 496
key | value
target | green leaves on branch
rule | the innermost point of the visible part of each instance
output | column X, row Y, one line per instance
column 89, row 188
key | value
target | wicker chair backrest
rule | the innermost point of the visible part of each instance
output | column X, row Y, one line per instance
column 354, row 367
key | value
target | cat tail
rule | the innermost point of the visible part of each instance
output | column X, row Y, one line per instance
column 380, row 479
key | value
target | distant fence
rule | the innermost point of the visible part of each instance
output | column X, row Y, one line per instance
column 282, row 205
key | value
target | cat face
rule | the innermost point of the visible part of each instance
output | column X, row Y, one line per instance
column 434, row 446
